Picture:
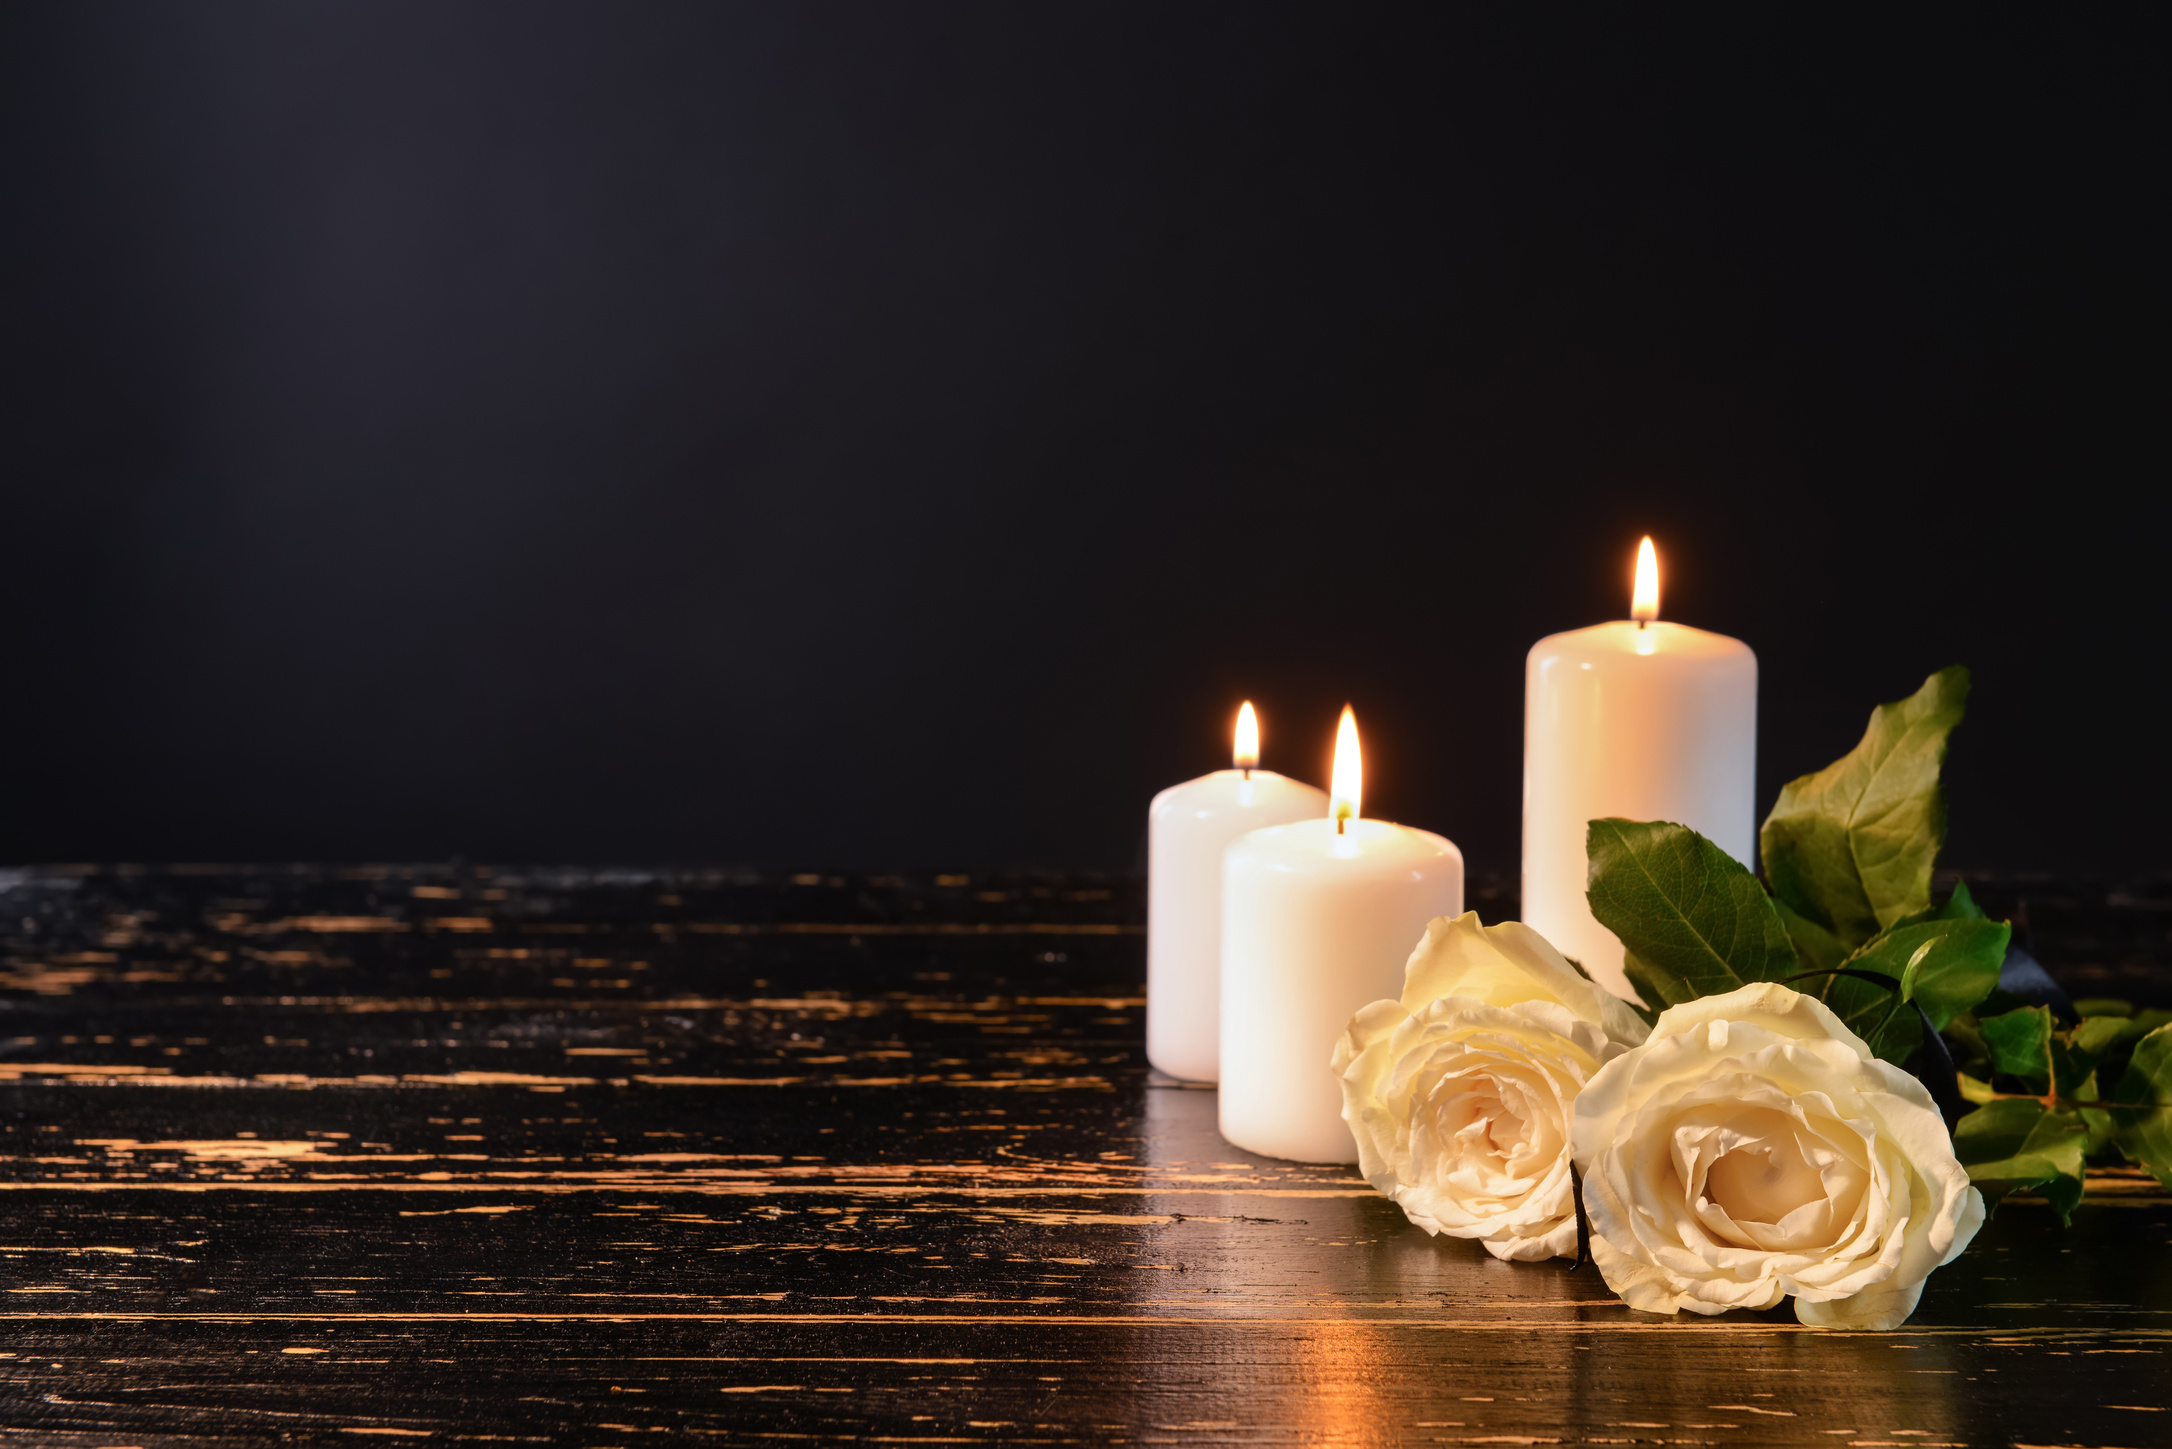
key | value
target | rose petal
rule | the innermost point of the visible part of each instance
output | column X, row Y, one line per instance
column 1753, row 1148
column 1461, row 1106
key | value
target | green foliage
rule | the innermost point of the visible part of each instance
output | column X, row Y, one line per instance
column 1947, row 966
column 2103, row 1130
column 1964, row 1039
column 1959, row 906
column 2075, row 1054
column 1887, row 1024
column 1849, row 852
column 2019, row 1042
column 2026, row 1046
column 1850, row 919
column 1849, row 849
column 1694, row 922
column 2138, row 1025
column 1943, row 963
column 2016, row 1144
column 2133, row 1031
column 1819, row 948
column 2142, row 1119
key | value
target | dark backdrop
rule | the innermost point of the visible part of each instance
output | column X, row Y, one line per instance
column 899, row 434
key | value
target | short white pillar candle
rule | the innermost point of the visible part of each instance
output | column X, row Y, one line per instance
column 1187, row 828
column 1318, row 919
column 1639, row 720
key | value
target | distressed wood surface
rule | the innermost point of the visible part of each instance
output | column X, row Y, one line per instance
column 582, row 1158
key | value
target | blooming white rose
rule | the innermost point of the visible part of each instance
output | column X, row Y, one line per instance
column 1754, row 1148
column 1460, row 1093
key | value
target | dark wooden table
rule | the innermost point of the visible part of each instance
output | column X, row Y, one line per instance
column 575, row 1157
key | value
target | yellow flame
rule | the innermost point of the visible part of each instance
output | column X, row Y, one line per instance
column 1246, row 754
column 1644, row 603
column 1348, row 781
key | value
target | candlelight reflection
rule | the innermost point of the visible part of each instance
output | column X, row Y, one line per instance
column 1349, row 1325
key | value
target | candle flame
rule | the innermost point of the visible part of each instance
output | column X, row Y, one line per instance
column 1348, row 781
column 1246, row 755
column 1644, row 603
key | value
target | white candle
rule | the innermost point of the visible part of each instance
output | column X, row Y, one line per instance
column 1318, row 919
column 1636, row 719
column 1187, row 828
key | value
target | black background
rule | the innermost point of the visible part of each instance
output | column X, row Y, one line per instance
column 898, row 435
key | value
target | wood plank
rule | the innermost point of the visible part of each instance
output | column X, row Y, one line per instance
column 286, row 1158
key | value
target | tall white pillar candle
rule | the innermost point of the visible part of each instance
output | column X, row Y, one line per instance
column 1637, row 719
column 1318, row 919
column 1187, row 828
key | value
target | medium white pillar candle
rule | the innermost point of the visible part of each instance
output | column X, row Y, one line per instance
column 1318, row 919
column 1640, row 720
column 1187, row 828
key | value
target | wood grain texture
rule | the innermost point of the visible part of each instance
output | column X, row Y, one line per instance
column 589, row 1158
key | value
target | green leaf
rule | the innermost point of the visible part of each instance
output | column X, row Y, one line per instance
column 1947, row 965
column 2020, row 1045
column 1888, row 1025
column 1655, row 987
column 2101, row 1127
column 1964, row 1039
column 2064, row 1193
column 1871, row 1009
column 1958, row 906
column 2075, row 1053
column 1961, row 906
column 1692, row 918
column 1693, row 922
column 1818, row 948
column 2143, row 1121
column 2139, row 1025
column 1850, row 848
column 2014, row 1144
column 2024, row 1045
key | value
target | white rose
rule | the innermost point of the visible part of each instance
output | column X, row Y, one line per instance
column 1754, row 1148
column 1460, row 1094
